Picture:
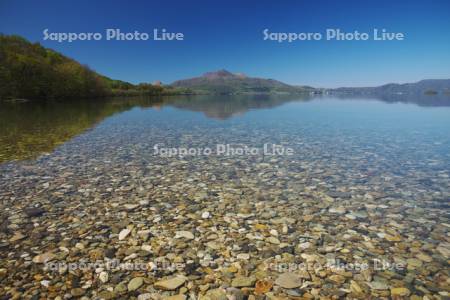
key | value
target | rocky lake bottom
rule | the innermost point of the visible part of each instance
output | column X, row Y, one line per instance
column 360, row 210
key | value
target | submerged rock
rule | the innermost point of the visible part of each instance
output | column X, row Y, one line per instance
column 218, row 227
column 124, row 233
column 170, row 284
column 135, row 283
column 289, row 280
column 243, row 281
column 34, row 211
column 43, row 258
column 400, row 292
column 184, row 234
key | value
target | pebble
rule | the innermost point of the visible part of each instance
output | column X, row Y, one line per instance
column 444, row 250
column 77, row 292
column 120, row 288
column 337, row 279
column 170, row 284
column 43, row 258
column 17, row 237
column 184, row 234
column 216, row 294
column 106, row 295
column 337, row 210
column 226, row 226
column 400, row 292
column 124, row 233
column 135, row 283
column 176, row 297
column 34, row 211
column 273, row 240
column 104, row 277
column 355, row 288
column 243, row 281
column 45, row 283
column 146, row 296
column 244, row 256
column 377, row 285
column 263, row 286
column 414, row 263
column 425, row 258
column 289, row 280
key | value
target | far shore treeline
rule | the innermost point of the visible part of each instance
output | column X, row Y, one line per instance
column 32, row 72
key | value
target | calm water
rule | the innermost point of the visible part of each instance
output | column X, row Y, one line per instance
column 383, row 133
column 368, row 179
column 339, row 143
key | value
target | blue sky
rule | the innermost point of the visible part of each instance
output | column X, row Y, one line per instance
column 228, row 34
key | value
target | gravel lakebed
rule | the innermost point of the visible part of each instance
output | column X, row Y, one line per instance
column 103, row 218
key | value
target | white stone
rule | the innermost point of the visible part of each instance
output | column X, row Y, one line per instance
column 305, row 245
column 147, row 248
column 79, row 246
column 124, row 233
column 244, row 256
column 45, row 283
column 104, row 277
column 184, row 234
column 130, row 206
column 337, row 210
column 144, row 202
column 273, row 240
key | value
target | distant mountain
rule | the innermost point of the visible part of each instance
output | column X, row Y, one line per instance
column 428, row 86
column 225, row 82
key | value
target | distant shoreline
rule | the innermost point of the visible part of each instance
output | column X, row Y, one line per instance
column 31, row 72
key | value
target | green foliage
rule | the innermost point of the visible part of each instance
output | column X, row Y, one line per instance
column 149, row 89
column 30, row 71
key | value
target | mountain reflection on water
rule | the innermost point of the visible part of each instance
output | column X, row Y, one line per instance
column 30, row 129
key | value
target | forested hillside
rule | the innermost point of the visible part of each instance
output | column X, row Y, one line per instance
column 30, row 71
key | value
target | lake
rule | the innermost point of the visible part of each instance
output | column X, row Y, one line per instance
column 206, row 181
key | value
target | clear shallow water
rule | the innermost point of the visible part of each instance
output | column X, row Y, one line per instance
column 368, row 180
column 29, row 129
column 355, row 139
